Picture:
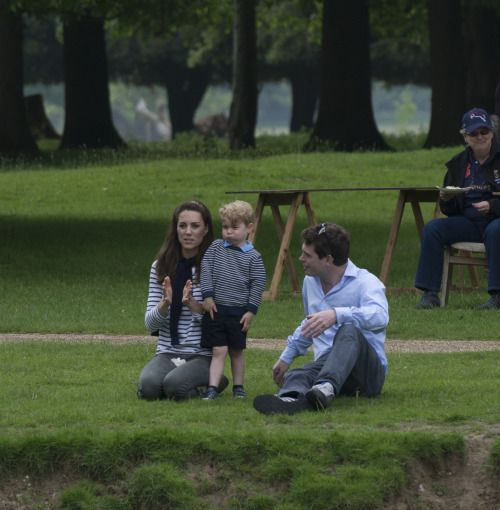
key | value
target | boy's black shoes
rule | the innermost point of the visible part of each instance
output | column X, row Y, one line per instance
column 239, row 392
column 211, row 393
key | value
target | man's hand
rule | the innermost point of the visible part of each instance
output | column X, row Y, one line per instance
column 246, row 320
column 279, row 369
column 210, row 306
column 319, row 322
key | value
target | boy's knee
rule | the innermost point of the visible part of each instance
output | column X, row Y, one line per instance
column 219, row 350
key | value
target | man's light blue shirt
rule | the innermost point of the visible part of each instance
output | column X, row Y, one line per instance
column 358, row 298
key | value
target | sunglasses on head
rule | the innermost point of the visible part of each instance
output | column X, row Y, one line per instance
column 322, row 229
column 477, row 132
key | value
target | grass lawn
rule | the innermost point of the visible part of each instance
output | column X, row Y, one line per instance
column 72, row 408
column 76, row 243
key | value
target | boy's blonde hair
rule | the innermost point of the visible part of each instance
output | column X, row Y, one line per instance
column 237, row 211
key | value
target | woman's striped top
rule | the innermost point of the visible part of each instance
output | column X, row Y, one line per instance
column 189, row 327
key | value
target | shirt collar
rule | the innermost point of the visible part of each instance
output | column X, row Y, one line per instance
column 245, row 248
column 350, row 272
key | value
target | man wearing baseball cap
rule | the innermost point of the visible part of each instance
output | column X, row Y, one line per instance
column 472, row 215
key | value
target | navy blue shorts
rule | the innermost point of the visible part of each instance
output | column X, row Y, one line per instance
column 223, row 330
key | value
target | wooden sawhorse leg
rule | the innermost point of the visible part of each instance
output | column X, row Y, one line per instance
column 284, row 232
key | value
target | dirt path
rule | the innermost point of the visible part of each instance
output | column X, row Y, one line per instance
column 261, row 343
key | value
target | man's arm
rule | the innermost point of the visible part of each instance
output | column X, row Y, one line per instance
column 315, row 324
column 372, row 314
column 297, row 345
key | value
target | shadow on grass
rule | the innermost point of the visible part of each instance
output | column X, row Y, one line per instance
column 77, row 248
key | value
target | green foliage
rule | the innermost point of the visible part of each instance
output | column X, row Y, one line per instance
column 347, row 487
column 159, row 486
column 406, row 141
column 495, row 457
column 289, row 32
column 400, row 47
column 82, row 495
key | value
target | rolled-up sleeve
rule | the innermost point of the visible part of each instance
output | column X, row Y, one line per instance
column 372, row 314
column 297, row 345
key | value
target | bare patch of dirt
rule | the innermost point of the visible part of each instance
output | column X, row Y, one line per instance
column 457, row 485
column 30, row 493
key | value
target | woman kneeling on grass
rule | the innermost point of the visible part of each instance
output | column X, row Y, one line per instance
column 180, row 367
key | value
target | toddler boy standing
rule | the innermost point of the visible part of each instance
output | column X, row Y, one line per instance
column 233, row 279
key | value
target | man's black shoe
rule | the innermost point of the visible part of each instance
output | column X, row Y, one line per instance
column 429, row 300
column 272, row 404
column 491, row 304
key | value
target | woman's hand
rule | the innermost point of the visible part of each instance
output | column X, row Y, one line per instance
column 167, row 296
column 482, row 207
column 187, row 292
column 188, row 299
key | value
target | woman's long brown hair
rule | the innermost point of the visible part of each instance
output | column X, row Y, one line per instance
column 171, row 250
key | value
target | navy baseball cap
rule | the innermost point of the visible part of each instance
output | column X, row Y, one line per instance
column 475, row 119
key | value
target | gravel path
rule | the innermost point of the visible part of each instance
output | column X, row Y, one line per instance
column 260, row 343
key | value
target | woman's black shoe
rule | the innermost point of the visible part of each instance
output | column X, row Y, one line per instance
column 429, row 300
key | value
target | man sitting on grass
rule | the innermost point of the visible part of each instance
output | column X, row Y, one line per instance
column 346, row 318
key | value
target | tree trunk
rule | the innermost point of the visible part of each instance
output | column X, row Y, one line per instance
column 482, row 43
column 185, row 90
column 38, row 121
column 243, row 115
column 88, row 122
column 305, row 92
column 15, row 136
column 345, row 116
column 448, row 72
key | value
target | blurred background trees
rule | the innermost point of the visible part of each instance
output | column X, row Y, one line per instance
column 330, row 53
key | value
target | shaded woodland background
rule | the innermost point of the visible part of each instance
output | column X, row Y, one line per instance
column 329, row 52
